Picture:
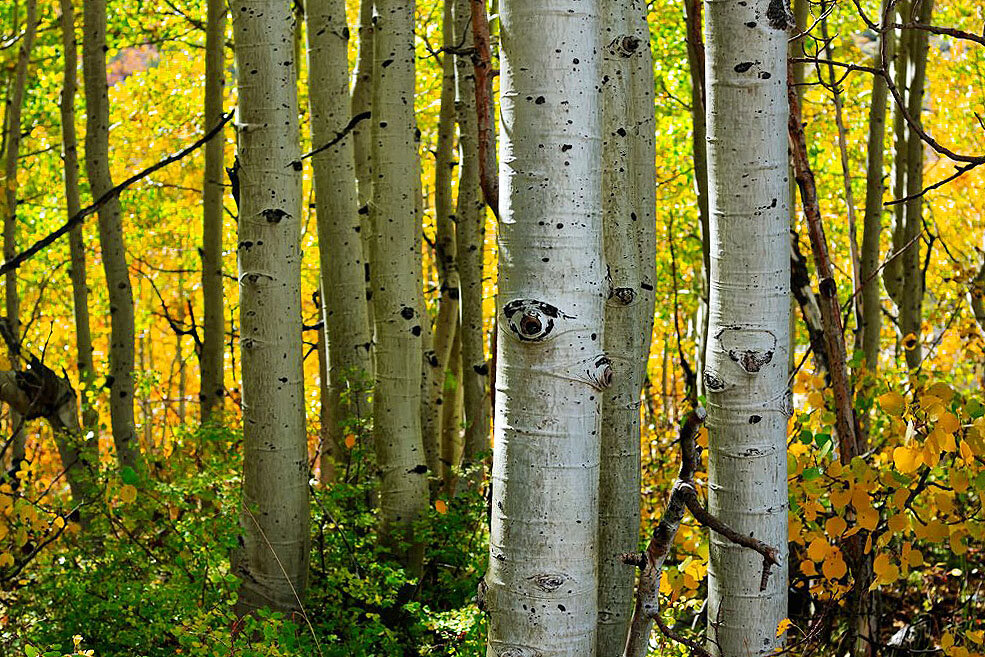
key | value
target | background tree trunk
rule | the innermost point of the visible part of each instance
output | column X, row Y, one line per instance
column 746, row 371
column 362, row 101
column 114, row 254
column 542, row 577
column 396, row 280
column 211, row 363
column 273, row 557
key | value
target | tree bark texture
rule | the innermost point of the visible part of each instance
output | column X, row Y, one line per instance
column 551, row 369
column 273, row 557
column 746, row 371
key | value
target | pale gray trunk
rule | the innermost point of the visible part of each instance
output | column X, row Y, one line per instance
column 451, row 416
column 114, row 255
column 77, row 249
column 543, row 573
column 892, row 273
column 746, row 369
column 212, row 385
column 396, row 281
column 362, row 101
column 340, row 246
column 12, row 144
column 628, row 208
column 273, row 556
column 470, row 238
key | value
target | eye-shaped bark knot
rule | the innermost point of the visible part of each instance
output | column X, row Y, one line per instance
column 549, row 582
column 531, row 320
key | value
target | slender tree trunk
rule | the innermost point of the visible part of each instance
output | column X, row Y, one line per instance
column 872, row 221
column 362, row 101
column 911, row 306
column 628, row 205
column 273, row 556
column 340, row 247
column 892, row 273
column 746, row 371
column 330, row 451
column 470, row 241
column 396, row 280
column 12, row 145
column 542, row 577
column 211, row 362
column 451, row 416
column 114, row 256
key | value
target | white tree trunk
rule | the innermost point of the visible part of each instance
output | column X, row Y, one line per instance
column 746, row 371
column 396, row 280
column 542, row 577
column 111, row 241
column 272, row 560
column 340, row 246
column 628, row 208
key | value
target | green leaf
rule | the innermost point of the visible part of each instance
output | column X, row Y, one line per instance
column 129, row 476
column 31, row 651
column 810, row 474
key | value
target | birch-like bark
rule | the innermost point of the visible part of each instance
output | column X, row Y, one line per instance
column 211, row 362
column 542, row 577
column 111, row 241
column 451, row 417
column 76, row 240
column 892, row 273
column 911, row 294
column 746, row 371
column 273, row 556
column 628, row 205
column 362, row 101
column 872, row 220
column 396, row 282
column 470, row 241
column 12, row 145
column 340, row 247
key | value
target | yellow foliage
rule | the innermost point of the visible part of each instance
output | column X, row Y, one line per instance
column 892, row 403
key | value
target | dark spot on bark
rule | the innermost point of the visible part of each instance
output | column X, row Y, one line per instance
column 416, row 331
column 386, row 62
column 283, row 379
column 407, row 312
column 755, row 419
column 345, row 33
column 540, row 100
column 743, row 67
column 713, row 382
column 364, row 210
column 827, row 287
column 561, row 607
column 646, row 286
column 751, row 24
column 481, row 370
column 274, row 215
column 779, row 15
column 765, row 75
column 621, row 132
column 625, row 295
column 565, row 148
column 418, row 469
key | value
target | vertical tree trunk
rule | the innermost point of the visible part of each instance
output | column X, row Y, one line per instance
column 872, row 221
column 746, row 369
column 272, row 559
column 12, row 145
column 396, row 281
column 340, row 247
column 114, row 256
column 451, row 416
column 470, row 240
column 211, row 361
column 628, row 205
column 911, row 294
column 362, row 101
column 542, row 577
column 892, row 273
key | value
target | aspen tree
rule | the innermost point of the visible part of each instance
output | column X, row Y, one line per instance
column 628, row 207
column 212, row 386
column 746, row 364
column 340, row 246
column 396, row 281
column 272, row 558
column 113, row 247
column 551, row 370
column 470, row 239
column 362, row 102
column 12, row 143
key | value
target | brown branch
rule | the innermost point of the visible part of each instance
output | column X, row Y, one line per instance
column 339, row 136
column 80, row 216
column 834, row 339
column 484, row 105
column 943, row 31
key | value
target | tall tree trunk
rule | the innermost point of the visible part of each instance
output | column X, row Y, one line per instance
column 114, row 256
column 542, row 577
column 470, row 239
column 273, row 557
column 892, row 273
column 746, row 371
column 911, row 306
column 211, row 362
column 362, row 101
column 872, row 221
column 12, row 145
column 396, row 280
column 628, row 205
column 451, row 416
column 76, row 444
column 340, row 247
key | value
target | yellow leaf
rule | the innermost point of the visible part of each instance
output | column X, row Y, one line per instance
column 834, row 566
column 905, row 459
column 840, row 497
column 816, row 400
column 916, row 559
column 665, row 586
column 868, row 518
column 898, row 523
column 947, row 640
column 59, row 522
column 948, row 423
column 966, row 453
column 818, row 549
column 783, row 626
column 835, row 527
column 703, row 437
column 350, row 441
column 441, row 506
column 942, row 391
column 807, row 568
column 976, row 636
column 892, row 402
column 6, row 560
column 886, row 571
column 128, row 494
